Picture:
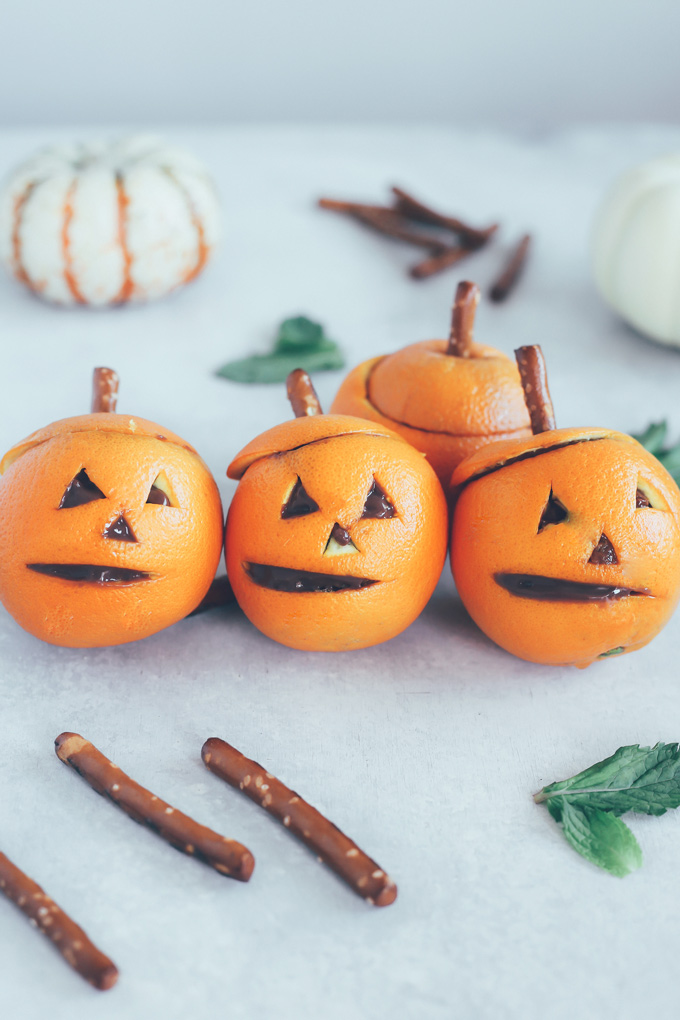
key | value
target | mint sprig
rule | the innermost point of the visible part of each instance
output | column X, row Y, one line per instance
column 654, row 439
column 602, row 838
column 300, row 343
column 641, row 779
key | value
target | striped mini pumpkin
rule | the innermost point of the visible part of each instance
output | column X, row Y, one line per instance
column 109, row 222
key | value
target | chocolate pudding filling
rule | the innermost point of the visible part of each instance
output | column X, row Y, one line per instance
column 90, row 574
column 556, row 589
column 292, row 580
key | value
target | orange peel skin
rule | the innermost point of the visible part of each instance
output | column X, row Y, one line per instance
column 610, row 494
column 358, row 578
column 134, row 557
column 445, row 406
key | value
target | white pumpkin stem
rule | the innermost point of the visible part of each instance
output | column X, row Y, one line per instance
column 302, row 395
column 531, row 365
column 104, row 390
column 463, row 320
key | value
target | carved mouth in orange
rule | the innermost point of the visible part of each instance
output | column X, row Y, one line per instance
column 89, row 574
column 556, row 589
column 291, row 580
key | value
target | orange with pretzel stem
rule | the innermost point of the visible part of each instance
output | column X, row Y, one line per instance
column 565, row 547
column 446, row 398
column 110, row 527
column 337, row 532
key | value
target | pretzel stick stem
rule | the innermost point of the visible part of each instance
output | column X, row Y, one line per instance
column 531, row 365
column 183, row 833
column 512, row 271
column 302, row 395
column 104, row 390
column 463, row 320
column 67, row 937
column 331, row 845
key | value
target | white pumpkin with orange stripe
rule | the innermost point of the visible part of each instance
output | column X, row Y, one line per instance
column 106, row 223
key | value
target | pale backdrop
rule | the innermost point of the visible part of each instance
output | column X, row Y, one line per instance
column 532, row 64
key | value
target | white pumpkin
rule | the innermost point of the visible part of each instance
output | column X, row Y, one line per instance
column 105, row 223
column 636, row 248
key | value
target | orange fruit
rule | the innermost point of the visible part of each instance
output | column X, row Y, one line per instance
column 445, row 404
column 336, row 535
column 565, row 547
column 110, row 530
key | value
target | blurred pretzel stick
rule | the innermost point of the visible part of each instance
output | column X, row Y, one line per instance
column 68, row 938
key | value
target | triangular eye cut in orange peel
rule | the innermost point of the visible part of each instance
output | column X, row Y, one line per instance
column 358, row 558
column 136, row 549
column 565, row 546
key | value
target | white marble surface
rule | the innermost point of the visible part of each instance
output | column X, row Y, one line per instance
column 426, row 750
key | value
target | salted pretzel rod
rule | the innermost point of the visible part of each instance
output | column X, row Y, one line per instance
column 531, row 365
column 331, row 846
column 512, row 271
column 68, row 938
column 104, row 390
column 410, row 207
column 463, row 319
column 302, row 395
column 183, row 833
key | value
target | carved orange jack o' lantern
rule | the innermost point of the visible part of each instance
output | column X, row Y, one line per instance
column 566, row 547
column 337, row 533
column 110, row 527
column 445, row 397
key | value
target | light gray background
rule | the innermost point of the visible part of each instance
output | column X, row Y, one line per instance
column 531, row 64
column 426, row 749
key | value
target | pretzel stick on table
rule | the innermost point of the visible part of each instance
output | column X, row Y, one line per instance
column 183, row 833
column 69, row 939
column 437, row 263
column 331, row 845
column 220, row 593
column 386, row 221
column 514, row 268
column 410, row 207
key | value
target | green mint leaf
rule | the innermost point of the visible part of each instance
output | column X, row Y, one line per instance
column 671, row 461
column 653, row 437
column 298, row 332
column 300, row 343
column 275, row 368
column 602, row 838
column 634, row 778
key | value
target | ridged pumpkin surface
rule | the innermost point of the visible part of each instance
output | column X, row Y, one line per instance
column 107, row 223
